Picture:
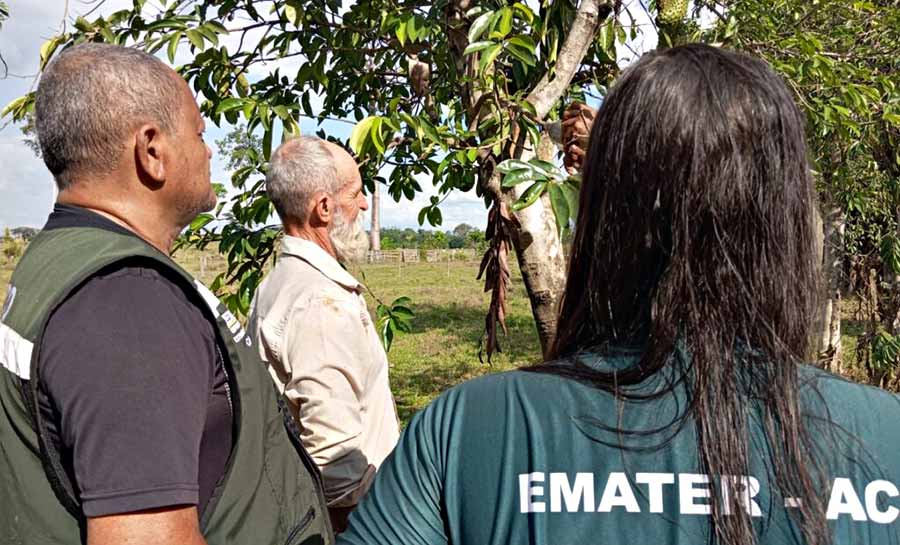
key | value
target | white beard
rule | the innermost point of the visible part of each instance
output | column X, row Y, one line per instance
column 349, row 240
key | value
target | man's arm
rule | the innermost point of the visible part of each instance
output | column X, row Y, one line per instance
column 167, row 526
column 327, row 353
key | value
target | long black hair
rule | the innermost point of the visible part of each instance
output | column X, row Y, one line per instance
column 696, row 230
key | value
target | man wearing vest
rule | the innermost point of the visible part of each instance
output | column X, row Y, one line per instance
column 135, row 409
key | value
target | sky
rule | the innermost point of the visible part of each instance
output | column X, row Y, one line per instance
column 27, row 190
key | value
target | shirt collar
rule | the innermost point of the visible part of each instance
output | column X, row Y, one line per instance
column 321, row 260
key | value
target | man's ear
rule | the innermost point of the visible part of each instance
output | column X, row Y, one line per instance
column 323, row 209
column 150, row 155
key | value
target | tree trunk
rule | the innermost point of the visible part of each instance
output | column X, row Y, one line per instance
column 536, row 239
column 375, row 231
column 829, row 323
column 540, row 256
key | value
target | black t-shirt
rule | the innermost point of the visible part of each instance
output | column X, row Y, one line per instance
column 134, row 388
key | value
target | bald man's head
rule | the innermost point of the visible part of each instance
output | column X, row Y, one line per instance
column 90, row 98
column 300, row 168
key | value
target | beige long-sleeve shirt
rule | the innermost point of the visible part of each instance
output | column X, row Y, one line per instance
column 318, row 340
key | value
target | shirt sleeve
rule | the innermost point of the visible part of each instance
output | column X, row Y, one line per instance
column 327, row 360
column 129, row 373
column 404, row 503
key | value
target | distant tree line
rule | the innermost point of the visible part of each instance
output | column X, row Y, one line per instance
column 463, row 236
column 24, row 233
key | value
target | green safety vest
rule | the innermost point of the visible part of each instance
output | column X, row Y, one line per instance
column 271, row 492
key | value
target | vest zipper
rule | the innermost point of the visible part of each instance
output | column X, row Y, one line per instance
column 221, row 361
column 234, row 405
column 310, row 515
column 293, row 431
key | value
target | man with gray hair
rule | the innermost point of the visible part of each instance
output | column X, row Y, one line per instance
column 312, row 324
column 135, row 408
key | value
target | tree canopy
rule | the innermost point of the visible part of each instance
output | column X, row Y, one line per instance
column 467, row 95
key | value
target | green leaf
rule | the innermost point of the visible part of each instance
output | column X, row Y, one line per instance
column 513, row 164
column 403, row 313
column 377, row 136
column 209, row 34
column 281, row 111
column 525, row 12
column 229, row 104
column 488, row 57
column 401, row 33
column 195, row 38
column 292, row 15
column 606, row 38
column 560, row 206
column 387, row 334
column 243, row 88
column 517, row 177
column 409, row 120
column 523, row 41
column 82, row 24
column 360, row 134
column 524, row 55
column 217, row 27
column 504, row 26
column 571, row 195
column 47, row 50
column 173, row 45
column 107, row 34
column 435, row 217
column 201, row 221
column 554, row 46
column 432, row 133
column 402, row 301
column 541, row 170
column 478, row 46
column 411, row 32
column 479, row 26
column 267, row 144
column 14, row 105
column 545, row 167
column 530, row 195
column 249, row 106
column 890, row 252
column 391, row 123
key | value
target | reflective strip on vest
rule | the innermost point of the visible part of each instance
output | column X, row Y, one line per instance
column 15, row 352
column 209, row 297
column 214, row 303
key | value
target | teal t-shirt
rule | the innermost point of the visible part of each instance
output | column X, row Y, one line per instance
column 520, row 457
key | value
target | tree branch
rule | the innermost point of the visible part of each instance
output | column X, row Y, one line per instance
column 587, row 21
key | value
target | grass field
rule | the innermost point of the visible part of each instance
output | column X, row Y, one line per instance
column 442, row 349
column 449, row 303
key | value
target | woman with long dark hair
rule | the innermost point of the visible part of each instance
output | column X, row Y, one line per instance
column 676, row 408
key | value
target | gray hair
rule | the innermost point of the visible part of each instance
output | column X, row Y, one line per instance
column 90, row 97
column 299, row 168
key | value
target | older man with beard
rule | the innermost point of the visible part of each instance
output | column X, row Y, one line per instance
column 313, row 327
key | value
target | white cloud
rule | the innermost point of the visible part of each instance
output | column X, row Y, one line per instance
column 458, row 207
column 27, row 187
